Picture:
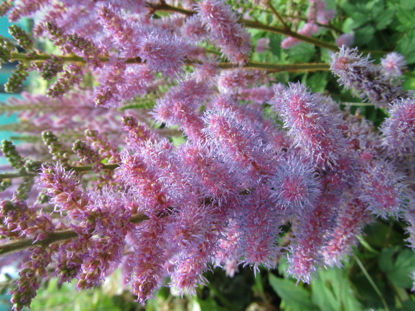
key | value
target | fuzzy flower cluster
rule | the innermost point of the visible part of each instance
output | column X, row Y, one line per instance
column 367, row 80
column 223, row 196
column 223, row 168
column 318, row 13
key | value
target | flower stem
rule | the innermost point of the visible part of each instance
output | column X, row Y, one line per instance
column 52, row 237
column 251, row 24
column 224, row 65
column 372, row 283
column 75, row 168
column 277, row 15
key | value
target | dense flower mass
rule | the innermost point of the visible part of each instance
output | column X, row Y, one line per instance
column 167, row 151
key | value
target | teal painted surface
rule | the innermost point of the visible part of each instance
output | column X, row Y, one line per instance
column 5, row 72
column 4, row 119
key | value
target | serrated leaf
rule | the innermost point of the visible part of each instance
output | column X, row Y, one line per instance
column 275, row 44
column 301, row 53
column 407, row 4
column 384, row 19
column 406, row 46
column 348, row 25
column 331, row 291
column 294, row 297
column 398, row 264
column 364, row 35
column 405, row 18
column 317, row 81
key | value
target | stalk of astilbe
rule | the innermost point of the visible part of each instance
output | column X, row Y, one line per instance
column 308, row 125
column 224, row 30
column 393, row 64
column 295, row 185
column 352, row 216
column 365, row 79
column 398, row 131
column 382, row 189
column 179, row 105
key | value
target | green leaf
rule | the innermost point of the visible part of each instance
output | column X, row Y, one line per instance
column 398, row 264
column 294, row 297
column 317, row 81
column 364, row 35
column 358, row 12
column 208, row 304
column 275, row 44
column 405, row 18
column 406, row 46
column 301, row 53
column 332, row 291
column 384, row 19
column 348, row 25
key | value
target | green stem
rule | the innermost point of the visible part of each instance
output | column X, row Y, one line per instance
column 52, row 237
column 221, row 297
column 225, row 65
column 279, row 67
column 277, row 15
column 251, row 24
column 75, row 168
column 372, row 283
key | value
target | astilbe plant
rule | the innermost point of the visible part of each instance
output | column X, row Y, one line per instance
column 121, row 194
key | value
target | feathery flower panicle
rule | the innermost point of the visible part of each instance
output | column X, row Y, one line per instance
column 169, row 170
column 208, row 175
column 119, row 29
column 206, row 72
column 21, row 221
column 318, row 12
column 70, row 77
column 104, row 250
column 351, row 217
column 345, row 39
column 64, row 189
column 383, row 188
column 224, row 30
column 26, row 8
column 100, row 144
column 179, row 105
column 228, row 252
column 137, row 134
column 148, row 190
column 398, row 131
column 143, row 270
column 258, row 95
column 262, row 45
column 163, row 52
column 109, row 75
column 393, row 64
column 308, row 125
column 194, row 29
column 30, row 275
column 309, row 232
column 232, row 81
column 367, row 80
column 197, row 229
column 261, row 217
column 409, row 217
column 294, row 185
column 250, row 116
column 238, row 143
